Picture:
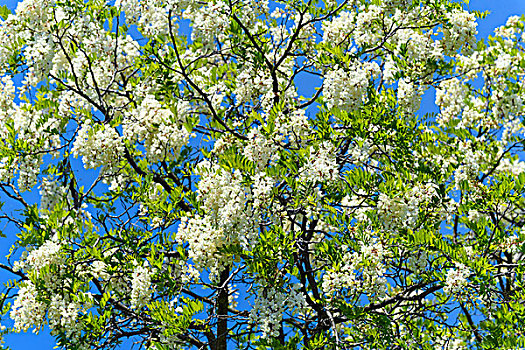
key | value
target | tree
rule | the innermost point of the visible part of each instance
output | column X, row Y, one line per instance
column 194, row 194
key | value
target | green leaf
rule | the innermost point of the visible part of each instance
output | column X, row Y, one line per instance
column 5, row 12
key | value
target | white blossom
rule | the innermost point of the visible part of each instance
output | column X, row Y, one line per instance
column 321, row 165
column 457, row 279
column 27, row 310
column 141, row 287
column 271, row 304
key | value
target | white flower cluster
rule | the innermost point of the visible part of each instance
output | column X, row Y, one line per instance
column 504, row 63
column 512, row 245
column 204, row 239
column 260, row 150
column 6, row 170
column 7, row 95
column 338, row 30
column 28, row 171
column 450, row 97
column 463, row 31
column 506, row 104
column 279, row 34
column 356, row 205
column 39, row 56
column 473, row 116
column 47, row 254
column 254, row 82
column 367, row 32
column 99, row 270
column 470, row 65
column 334, row 281
column 403, row 211
column 390, row 69
column 228, row 219
column 292, row 126
column 396, row 212
column 416, row 46
column 62, row 316
column 369, row 262
column 51, row 192
column 224, row 201
column 99, row 146
column 361, row 150
column 271, row 305
column 510, row 29
column 158, row 127
column 151, row 16
column 409, row 95
column 456, row 279
column 35, row 129
column 475, row 216
column 27, row 310
column 209, row 22
column 185, row 272
column 346, row 88
column 514, row 167
column 141, row 286
column 32, row 125
column 469, row 162
column 321, row 165
column 374, row 282
column 261, row 189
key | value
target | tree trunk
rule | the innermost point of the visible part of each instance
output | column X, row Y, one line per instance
column 222, row 311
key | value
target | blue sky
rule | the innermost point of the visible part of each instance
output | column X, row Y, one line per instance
column 500, row 10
